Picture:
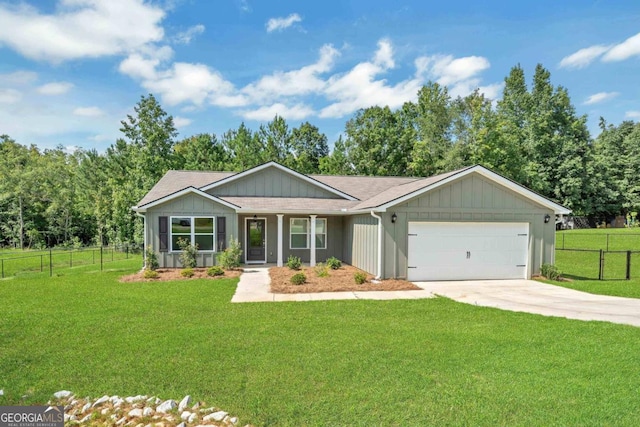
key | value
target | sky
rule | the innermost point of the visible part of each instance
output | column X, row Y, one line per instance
column 71, row 70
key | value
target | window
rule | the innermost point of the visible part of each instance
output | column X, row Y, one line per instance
column 196, row 230
column 300, row 233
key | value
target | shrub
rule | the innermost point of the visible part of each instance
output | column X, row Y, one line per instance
column 188, row 254
column 151, row 259
column 216, row 270
column 150, row 274
column 294, row 262
column 334, row 263
column 298, row 279
column 230, row 258
column 550, row 271
column 322, row 270
column 359, row 277
column 187, row 272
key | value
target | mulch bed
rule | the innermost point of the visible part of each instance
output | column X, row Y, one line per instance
column 166, row 274
column 340, row 280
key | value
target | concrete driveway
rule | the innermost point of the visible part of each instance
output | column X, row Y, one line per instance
column 539, row 298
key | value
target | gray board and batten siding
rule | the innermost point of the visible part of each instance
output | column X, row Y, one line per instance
column 360, row 233
column 472, row 198
column 186, row 206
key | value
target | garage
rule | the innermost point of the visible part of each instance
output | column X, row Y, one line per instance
column 467, row 250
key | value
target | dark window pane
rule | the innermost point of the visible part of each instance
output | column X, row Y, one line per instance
column 204, row 225
column 298, row 226
column 321, row 226
column 174, row 241
column 204, row 242
column 321, row 241
column 181, row 225
column 298, row 241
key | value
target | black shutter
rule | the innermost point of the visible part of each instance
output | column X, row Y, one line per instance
column 163, row 233
column 221, row 230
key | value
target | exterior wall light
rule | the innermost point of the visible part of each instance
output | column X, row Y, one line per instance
column 547, row 218
column 394, row 218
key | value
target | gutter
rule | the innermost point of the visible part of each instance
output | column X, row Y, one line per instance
column 379, row 218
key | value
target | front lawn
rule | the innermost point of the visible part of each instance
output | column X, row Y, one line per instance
column 402, row 362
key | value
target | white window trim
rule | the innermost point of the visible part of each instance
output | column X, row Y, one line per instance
column 326, row 232
column 192, row 235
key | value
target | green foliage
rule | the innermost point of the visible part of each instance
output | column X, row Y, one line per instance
column 298, row 278
column 322, row 270
column 215, row 271
column 334, row 263
column 294, row 262
column 359, row 277
column 187, row 272
column 151, row 259
column 231, row 257
column 188, row 256
column 550, row 271
column 150, row 274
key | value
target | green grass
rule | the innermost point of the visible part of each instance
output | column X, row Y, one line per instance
column 582, row 267
column 404, row 362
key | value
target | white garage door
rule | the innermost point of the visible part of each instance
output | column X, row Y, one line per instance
column 465, row 251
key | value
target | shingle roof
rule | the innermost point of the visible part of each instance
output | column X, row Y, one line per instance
column 371, row 191
column 174, row 181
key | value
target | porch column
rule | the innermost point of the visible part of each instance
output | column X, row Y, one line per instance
column 280, row 230
column 312, row 258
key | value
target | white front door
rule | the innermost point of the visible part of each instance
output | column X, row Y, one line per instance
column 467, row 250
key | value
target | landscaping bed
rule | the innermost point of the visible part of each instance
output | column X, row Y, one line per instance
column 166, row 274
column 340, row 280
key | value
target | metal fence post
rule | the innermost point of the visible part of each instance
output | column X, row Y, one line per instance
column 127, row 252
column 628, row 265
column 100, row 258
column 563, row 234
column 41, row 263
column 50, row 263
column 601, row 272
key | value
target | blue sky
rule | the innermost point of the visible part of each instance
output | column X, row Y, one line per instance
column 70, row 70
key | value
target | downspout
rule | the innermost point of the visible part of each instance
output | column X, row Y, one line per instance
column 379, row 218
column 144, row 241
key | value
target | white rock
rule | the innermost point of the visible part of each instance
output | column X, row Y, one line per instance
column 118, row 402
column 86, row 407
column 85, row 419
column 185, row 415
column 113, row 417
column 151, row 399
column 134, row 399
column 1, row 392
column 186, row 401
column 216, row 416
column 74, row 402
column 205, row 410
column 234, row 420
column 137, row 412
column 113, row 399
column 158, row 400
column 192, row 417
column 182, row 424
column 62, row 394
column 121, row 421
column 105, row 411
column 167, row 406
column 100, row 401
column 147, row 412
column 196, row 406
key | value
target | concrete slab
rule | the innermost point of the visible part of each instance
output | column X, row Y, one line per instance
column 535, row 297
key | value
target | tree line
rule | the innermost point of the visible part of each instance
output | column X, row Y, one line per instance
column 532, row 135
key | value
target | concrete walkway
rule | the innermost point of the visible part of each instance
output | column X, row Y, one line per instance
column 254, row 287
column 527, row 296
column 539, row 298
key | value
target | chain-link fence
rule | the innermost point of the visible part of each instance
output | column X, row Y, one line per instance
column 13, row 263
column 598, row 264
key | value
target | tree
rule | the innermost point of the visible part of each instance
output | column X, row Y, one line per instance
column 308, row 147
column 276, row 140
column 243, row 148
column 336, row 163
column 200, row 152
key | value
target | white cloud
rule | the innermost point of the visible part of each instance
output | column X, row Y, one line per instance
column 358, row 88
column 279, row 24
column 296, row 82
column 88, row 112
column 296, row 112
column 245, row 6
column 447, row 70
column 70, row 149
column 583, row 57
column 80, row 28
column 492, row 91
column 625, row 50
column 19, row 77
column 185, row 37
column 632, row 115
column 54, row 88
column 9, row 96
column 181, row 122
column 600, row 97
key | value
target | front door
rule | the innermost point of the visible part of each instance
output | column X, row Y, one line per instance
column 256, row 240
